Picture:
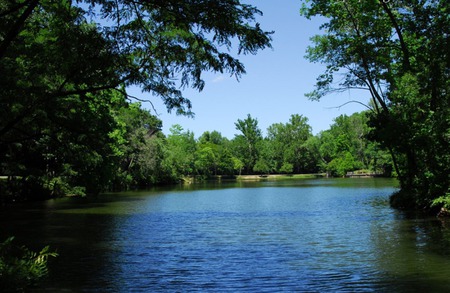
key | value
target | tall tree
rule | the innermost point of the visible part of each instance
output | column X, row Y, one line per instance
column 180, row 152
column 397, row 51
column 247, row 142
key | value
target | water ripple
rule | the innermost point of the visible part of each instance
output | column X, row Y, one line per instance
column 294, row 238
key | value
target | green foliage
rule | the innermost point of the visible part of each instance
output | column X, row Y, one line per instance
column 345, row 147
column 206, row 161
column 138, row 147
column 289, row 146
column 287, row 168
column 213, row 155
column 442, row 201
column 21, row 268
column 343, row 164
column 245, row 144
column 58, row 186
column 66, row 124
column 261, row 166
column 398, row 51
column 180, row 153
column 237, row 165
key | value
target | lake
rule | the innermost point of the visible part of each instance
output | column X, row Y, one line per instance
column 318, row 235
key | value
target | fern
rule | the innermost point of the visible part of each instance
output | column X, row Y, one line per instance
column 21, row 268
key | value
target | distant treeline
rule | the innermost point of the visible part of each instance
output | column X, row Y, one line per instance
column 119, row 145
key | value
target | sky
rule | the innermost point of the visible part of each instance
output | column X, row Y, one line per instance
column 274, row 86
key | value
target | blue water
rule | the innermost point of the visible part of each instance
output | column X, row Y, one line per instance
column 304, row 236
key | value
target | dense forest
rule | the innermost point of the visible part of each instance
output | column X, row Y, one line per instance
column 68, row 126
column 135, row 153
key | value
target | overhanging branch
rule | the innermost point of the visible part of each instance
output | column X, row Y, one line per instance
column 130, row 97
column 353, row 101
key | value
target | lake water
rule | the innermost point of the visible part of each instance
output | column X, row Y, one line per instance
column 324, row 235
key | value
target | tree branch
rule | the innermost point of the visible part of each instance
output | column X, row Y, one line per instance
column 16, row 28
column 81, row 91
column 138, row 99
column 353, row 101
column 365, row 66
column 406, row 62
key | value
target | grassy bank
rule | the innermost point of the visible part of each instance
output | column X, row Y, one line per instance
column 270, row 177
column 280, row 176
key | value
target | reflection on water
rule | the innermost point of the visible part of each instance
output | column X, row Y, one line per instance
column 303, row 235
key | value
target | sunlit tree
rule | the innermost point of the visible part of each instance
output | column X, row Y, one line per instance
column 398, row 52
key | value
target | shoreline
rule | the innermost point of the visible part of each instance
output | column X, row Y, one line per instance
column 270, row 177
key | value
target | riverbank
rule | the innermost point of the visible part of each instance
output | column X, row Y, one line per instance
column 279, row 176
column 265, row 177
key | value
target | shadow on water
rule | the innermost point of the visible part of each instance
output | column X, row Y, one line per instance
column 76, row 237
column 413, row 252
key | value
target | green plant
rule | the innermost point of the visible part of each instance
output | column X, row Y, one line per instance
column 21, row 268
column 443, row 201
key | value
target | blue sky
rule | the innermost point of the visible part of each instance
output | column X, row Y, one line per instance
column 273, row 88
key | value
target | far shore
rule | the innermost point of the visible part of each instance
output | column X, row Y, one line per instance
column 280, row 176
column 268, row 177
column 256, row 177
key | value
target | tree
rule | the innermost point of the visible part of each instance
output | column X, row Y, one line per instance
column 397, row 51
column 65, row 151
column 226, row 162
column 141, row 148
column 206, row 160
column 238, row 165
column 181, row 149
column 265, row 163
column 275, row 135
column 313, row 158
column 220, row 157
column 349, row 134
column 286, row 168
column 59, row 70
column 246, row 143
column 299, row 131
column 345, row 147
column 213, row 137
column 147, row 43
column 289, row 144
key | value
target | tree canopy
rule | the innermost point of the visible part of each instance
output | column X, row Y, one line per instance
column 65, row 67
column 398, row 52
